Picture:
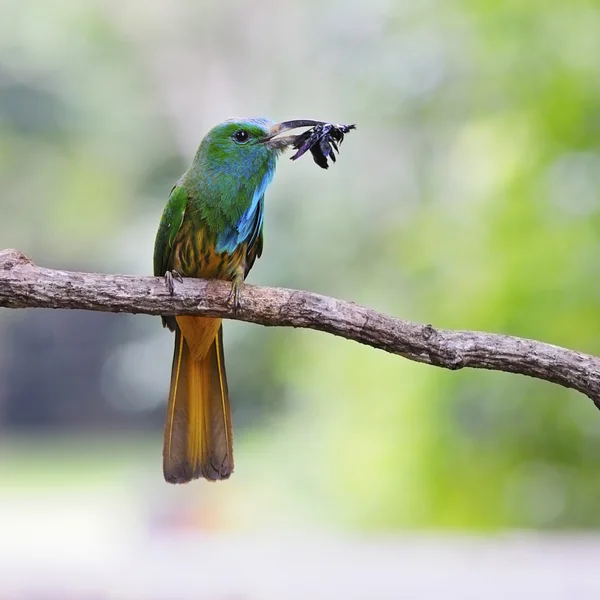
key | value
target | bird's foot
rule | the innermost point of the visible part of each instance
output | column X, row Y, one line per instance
column 170, row 278
column 235, row 296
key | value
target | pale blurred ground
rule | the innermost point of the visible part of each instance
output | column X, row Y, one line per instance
column 296, row 566
column 125, row 535
column 469, row 197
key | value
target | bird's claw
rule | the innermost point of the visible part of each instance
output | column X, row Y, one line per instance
column 170, row 278
column 235, row 296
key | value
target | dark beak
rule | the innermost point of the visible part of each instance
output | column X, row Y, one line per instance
column 283, row 142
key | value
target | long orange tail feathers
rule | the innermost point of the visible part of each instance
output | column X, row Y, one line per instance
column 198, row 431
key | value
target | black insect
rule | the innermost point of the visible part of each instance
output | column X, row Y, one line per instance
column 322, row 141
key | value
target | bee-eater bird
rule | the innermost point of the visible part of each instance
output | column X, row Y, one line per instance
column 212, row 228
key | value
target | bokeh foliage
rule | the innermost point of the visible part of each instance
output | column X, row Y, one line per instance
column 468, row 198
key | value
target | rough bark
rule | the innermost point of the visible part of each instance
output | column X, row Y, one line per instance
column 25, row 285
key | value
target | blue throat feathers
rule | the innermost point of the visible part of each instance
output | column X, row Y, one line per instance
column 248, row 228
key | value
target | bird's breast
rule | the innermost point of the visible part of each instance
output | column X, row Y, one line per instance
column 194, row 255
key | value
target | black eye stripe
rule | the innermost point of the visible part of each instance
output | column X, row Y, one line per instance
column 241, row 136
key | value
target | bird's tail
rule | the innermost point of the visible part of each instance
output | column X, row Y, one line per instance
column 198, row 431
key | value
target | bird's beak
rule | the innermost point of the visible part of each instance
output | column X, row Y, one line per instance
column 272, row 139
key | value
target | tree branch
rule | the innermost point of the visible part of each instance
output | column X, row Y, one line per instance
column 25, row 285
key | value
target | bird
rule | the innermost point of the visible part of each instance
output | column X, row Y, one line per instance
column 212, row 228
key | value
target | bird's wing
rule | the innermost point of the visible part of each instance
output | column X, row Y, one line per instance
column 255, row 242
column 171, row 221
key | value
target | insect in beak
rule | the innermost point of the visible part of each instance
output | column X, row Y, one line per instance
column 322, row 139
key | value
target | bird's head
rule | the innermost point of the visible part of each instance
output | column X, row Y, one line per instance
column 251, row 141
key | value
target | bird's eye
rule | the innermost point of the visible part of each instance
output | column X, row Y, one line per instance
column 241, row 136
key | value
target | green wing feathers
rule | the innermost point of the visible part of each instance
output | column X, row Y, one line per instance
column 170, row 223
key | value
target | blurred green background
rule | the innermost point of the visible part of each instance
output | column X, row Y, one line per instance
column 468, row 198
